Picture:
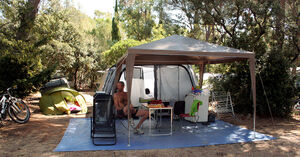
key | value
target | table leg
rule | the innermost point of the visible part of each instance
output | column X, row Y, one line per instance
column 149, row 121
column 156, row 118
column 171, row 121
column 160, row 118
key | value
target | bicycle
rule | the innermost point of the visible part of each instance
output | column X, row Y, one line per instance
column 17, row 110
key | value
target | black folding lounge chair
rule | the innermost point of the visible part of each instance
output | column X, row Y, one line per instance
column 103, row 126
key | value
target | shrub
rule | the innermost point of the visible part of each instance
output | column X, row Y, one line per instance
column 277, row 81
column 22, row 70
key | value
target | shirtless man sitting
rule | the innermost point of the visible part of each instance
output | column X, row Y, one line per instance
column 120, row 102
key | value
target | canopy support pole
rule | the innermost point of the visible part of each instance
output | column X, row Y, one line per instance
column 129, row 73
column 201, row 72
column 117, row 75
column 155, row 81
column 253, row 87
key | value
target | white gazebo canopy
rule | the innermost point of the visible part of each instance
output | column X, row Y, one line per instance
column 175, row 50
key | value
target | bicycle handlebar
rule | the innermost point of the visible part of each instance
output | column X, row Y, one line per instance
column 8, row 90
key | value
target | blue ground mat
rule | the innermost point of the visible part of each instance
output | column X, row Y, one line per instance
column 77, row 136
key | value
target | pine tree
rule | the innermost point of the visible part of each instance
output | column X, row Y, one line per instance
column 115, row 33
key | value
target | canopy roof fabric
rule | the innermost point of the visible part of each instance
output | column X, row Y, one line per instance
column 185, row 51
column 175, row 50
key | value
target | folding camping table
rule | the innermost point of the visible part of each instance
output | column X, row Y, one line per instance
column 159, row 107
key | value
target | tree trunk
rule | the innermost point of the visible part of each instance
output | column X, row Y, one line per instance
column 208, row 32
column 92, row 83
column 201, row 73
column 213, row 32
column 27, row 18
column 76, row 78
column 279, row 24
column 296, row 16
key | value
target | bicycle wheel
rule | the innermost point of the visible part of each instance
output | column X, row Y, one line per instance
column 19, row 112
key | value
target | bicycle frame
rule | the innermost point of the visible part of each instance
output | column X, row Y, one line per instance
column 12, row 107
column 5, row 102
column 15, row 105
column 3, row 107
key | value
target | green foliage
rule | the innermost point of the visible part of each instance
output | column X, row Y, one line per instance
column 115, row 32
column 278, row 83
column 76, row 41
column 137, row 18
column 24, row 69
column 102, row 31
column 274, row 54
column 111, row 56
column 60, row 38
column 20, row 59
column 170, row 26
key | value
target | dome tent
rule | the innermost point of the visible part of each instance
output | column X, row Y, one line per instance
column 54, row 101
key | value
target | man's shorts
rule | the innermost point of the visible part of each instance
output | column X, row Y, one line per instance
column 120, row 113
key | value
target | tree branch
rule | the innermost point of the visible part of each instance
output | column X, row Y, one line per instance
column 237, row 19
column 28, row 16
column 220, row 21
column 261, row 28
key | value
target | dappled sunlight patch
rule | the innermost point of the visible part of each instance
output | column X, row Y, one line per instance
column 284, row 148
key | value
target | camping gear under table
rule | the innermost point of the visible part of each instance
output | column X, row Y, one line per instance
column 153, row 109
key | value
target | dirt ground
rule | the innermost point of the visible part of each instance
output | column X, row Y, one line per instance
column 41, row 135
